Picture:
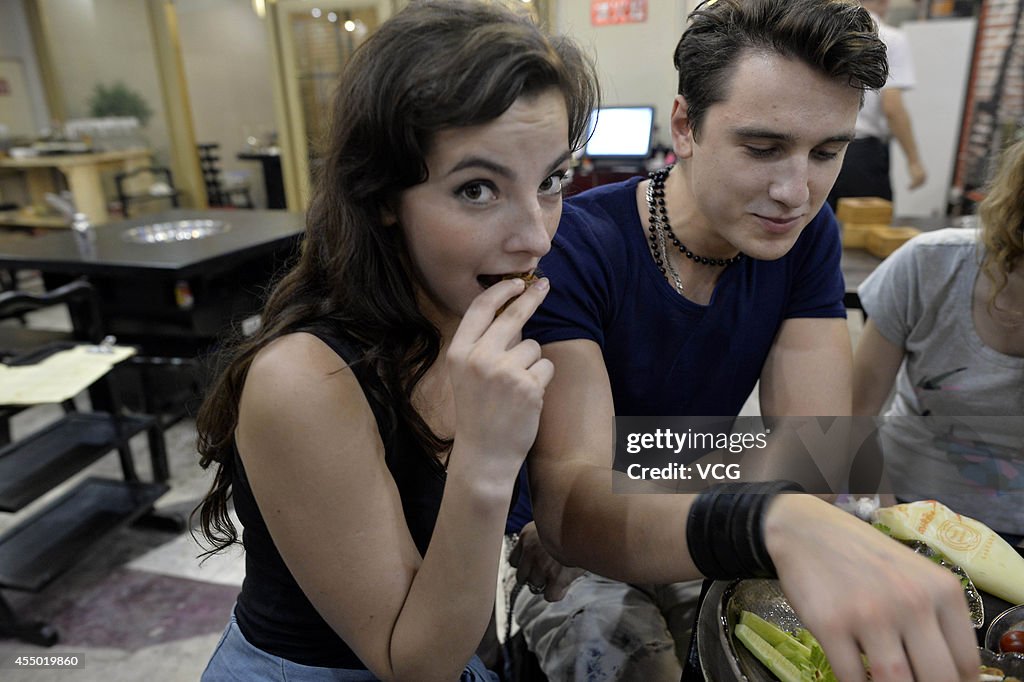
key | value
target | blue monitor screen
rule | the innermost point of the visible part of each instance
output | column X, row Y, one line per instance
column 621, row 132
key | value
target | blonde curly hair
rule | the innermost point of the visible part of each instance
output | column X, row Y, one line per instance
column 1002, row 220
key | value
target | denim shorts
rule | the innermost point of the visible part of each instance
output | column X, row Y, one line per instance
column 236, row 660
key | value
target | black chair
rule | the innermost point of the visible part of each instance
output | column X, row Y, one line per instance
column 151, row 177
column 18, row 345
column 8, row 280
column 80, row 299
column 17, row 340
column 141, row 379
column 219, row 192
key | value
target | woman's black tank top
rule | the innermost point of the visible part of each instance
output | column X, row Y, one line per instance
column 272, row 611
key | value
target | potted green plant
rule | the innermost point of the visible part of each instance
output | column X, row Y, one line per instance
column 118, row 100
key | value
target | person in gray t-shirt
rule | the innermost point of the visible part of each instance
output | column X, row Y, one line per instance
column 946, row 324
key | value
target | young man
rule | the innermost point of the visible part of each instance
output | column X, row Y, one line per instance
column 674, row 296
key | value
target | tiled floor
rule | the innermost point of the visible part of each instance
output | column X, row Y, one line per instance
column 140, row 606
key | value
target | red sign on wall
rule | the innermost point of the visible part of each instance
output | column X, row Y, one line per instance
column 606, row 12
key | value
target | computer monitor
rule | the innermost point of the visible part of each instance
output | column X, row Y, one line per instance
column 620, row 133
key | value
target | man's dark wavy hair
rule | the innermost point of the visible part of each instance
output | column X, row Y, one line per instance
column 837, row 37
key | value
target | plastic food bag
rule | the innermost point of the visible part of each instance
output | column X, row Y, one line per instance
column 990, row 561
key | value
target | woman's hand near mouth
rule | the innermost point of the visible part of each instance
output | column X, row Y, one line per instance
column 498, row 380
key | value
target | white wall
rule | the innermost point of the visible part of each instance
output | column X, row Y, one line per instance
column 105, row 41
column 16, row 43
column 941, row 50
column 634, row 60
column 228, row 72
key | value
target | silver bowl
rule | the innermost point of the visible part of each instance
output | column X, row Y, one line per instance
column 723, row 659
column 1010, row 619
column 974, row 601
column 1012, row 665
column 175, row 231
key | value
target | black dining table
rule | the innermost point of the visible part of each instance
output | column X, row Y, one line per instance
column 185, row 293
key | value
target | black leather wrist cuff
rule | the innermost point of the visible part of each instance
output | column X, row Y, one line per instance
column 725, row 529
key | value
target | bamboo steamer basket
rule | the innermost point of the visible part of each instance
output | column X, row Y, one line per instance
column 864, row 210
column 855, row 235
column 882, row 240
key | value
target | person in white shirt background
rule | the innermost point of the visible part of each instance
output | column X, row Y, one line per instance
column 883, row 116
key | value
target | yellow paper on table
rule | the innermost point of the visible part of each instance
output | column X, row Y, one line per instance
column 59, row 377
column 990, row 561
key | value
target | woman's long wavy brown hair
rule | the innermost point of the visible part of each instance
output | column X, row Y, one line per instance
column 433, row 66
column 1002, row 224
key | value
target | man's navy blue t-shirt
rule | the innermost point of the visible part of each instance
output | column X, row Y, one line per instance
column 665, row 355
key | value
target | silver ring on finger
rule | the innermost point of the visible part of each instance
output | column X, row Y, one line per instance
column 536, row 589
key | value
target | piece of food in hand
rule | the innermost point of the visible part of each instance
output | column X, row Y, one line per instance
column 490, row 280
column 992, row 564
column 1012, row 642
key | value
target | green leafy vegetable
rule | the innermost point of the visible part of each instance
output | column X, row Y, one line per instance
column 790, row 657
column 780, row 666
